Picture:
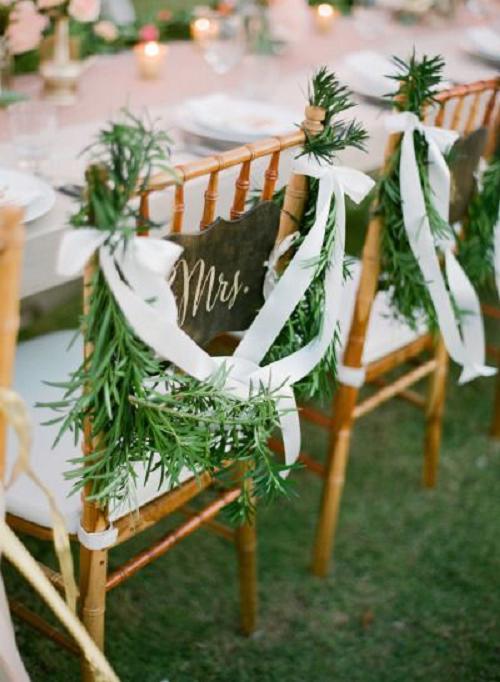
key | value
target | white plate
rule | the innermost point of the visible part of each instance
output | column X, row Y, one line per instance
column 233, row 120
column 44, row 195
column 484, row 42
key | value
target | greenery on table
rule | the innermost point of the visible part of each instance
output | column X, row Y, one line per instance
column 418, row 81
column 142, row 409
column 476, row 248
column 307, row 319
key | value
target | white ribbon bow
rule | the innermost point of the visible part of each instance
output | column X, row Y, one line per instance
column 465, row 342
column 137, row 274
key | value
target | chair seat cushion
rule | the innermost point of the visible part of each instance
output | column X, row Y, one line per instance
column 51, row 358
column 386, row 333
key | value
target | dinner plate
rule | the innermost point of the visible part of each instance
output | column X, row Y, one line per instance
column 39, row 197
column 484, row 42
column 232, row 120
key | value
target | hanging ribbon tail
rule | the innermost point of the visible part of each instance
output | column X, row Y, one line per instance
column 76, row 249
column 471, row 321
column 464, row 342
column 290, row 425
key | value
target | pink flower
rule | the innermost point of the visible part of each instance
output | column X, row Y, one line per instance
column 49, row 4
column 25, row 28
column 85, row 11
column 106, row 30
column 149, row 32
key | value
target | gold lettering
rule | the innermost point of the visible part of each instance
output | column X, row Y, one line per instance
column 199, row 287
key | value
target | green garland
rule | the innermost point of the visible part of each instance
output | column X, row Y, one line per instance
column 476, row 249
column 192, row 424
column 307, row 319
column 401, row 276
column 142, row 409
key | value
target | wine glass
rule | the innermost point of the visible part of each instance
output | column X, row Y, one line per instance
column 32, row 128
column 224, row 45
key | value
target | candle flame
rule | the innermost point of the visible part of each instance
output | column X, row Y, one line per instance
column 151, row 49
column 202, row 24
column 325, row 10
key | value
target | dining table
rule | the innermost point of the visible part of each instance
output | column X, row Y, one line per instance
column 111, row 83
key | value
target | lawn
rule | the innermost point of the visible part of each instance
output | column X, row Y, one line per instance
column 413, row 595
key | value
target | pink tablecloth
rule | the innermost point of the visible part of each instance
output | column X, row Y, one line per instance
column 111, row 82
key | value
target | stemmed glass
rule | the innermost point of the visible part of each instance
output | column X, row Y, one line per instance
column 32, row 128
column 223, row 46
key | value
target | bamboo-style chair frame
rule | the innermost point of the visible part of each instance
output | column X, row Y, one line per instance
column 95, row 581
column 464, row 108
column 11, row 250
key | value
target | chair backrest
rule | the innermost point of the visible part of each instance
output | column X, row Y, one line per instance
column 218, row 280
column 11, row 248
column 267, row 157
column 464, row 108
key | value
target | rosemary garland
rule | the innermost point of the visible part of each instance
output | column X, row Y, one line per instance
column 418, row 81
column 307, row 319
column 141, row 409
column 476, row 249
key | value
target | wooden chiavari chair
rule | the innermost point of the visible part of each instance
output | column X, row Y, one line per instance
column 11, row 248
column 39, row 359
column 378, row 347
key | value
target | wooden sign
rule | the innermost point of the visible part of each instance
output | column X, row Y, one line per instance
column 464, row 160
column 217, row 281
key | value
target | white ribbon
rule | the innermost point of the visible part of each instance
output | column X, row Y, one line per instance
column 465, row 342
column 137, row 274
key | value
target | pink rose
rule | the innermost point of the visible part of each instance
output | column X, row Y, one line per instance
column 25, row 28
column 85, row 11
column 106, row 30
column 148, row 33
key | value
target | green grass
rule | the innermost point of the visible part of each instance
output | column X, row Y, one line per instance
column 413, row 594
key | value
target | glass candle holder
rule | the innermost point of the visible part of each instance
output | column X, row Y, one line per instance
column 150, row 58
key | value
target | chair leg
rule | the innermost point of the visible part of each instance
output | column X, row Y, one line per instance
column 495, row 422
column 93, row 573
column 246, row 546
column 333, row 486
column 434, row 415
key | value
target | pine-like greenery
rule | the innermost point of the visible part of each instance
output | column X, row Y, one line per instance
column 476, row 249
column 141, row 409
column 417, row 82
column 307, row 319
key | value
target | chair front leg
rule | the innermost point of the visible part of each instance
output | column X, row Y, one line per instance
column 336, row 465
column 93, row 575
column 434, row 415
column 246, row 547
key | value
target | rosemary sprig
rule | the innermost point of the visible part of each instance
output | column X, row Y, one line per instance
column 476, row 249
column 306, row 322
column 417, row 83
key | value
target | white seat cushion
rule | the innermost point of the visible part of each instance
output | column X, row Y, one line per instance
column 49, row 358
column 386, row 333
